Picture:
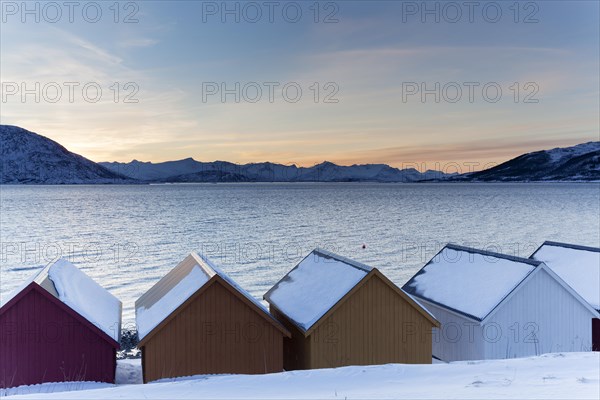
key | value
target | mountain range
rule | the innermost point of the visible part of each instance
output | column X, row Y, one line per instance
column 190, row 170
column 29, row 158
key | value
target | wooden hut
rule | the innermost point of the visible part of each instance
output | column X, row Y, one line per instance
column 494, row 306
column 196, row 320
column 341, row 312
column 59, row 326
column 579, row 267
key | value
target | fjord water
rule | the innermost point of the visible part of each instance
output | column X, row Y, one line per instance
column 127, row 237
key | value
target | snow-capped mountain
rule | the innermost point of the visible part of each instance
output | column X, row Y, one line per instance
column 190, row 170
column 27, row 157
column 576, row 163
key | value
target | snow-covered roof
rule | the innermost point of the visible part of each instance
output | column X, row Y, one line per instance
column 578, row 266
column 81, row 293
column 176, row 287
column 169, row 293
column 469, row 281
column 314, row 286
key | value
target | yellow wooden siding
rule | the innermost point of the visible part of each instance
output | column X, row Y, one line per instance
column 375, row 325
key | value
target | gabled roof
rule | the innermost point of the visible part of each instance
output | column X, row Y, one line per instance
column 314, row 286
column 469, row 281
column 80, row 293
column 319, row 284
column 578, row 266
column 171, row 293
column 34, row 287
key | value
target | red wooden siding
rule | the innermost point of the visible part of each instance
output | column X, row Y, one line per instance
column 43, row 340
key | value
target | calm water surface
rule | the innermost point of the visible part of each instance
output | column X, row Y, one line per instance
column 127, row 237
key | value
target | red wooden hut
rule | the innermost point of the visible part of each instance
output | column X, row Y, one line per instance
column 59, row 326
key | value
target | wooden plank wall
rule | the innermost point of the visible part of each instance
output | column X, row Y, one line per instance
column 215, row 333
column 42, row 342
column 374, row 326
column 296, row 350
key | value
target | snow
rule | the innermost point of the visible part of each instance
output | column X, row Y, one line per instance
column 149, row 318
column 314, row 286
column 176, row 287
column 86, row 297
column 468, row 282
column 560, row 153
column 268, row 172
column 579, row 268
column 129, row 372
column 550, row 376
column 82, row 294
column 41, row 390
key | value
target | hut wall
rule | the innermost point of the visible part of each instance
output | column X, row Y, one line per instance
column 214, row 332
column 43, row 340
column 541, row 317
column 373, row 326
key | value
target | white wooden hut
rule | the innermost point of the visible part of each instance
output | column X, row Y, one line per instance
column 579, row 267
column 494, row 306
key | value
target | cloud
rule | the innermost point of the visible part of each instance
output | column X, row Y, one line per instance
column 138, row 42
column 474, row 154
column 367, row 56
column 106, row 129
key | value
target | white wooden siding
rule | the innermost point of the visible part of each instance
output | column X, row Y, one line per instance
column 541, row 317
column 459, row 338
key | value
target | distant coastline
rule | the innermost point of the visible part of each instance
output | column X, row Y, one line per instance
column 29, row 158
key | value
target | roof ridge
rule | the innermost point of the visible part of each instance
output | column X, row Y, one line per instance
column 409, row 287
column 571, row 246
column 205, row 264
column 172, row 278
column 345, row 260
column 493, row 254
column 213, row 274
column 317, row 253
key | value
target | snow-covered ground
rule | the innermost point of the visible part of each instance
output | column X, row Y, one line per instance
column 550, row 376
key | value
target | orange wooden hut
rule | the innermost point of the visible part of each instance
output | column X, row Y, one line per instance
column 196, row 320
column 341, row 312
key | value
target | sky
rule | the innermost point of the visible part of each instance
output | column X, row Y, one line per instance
column 423, row 84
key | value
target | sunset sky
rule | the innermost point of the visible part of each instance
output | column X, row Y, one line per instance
column 374, row 54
